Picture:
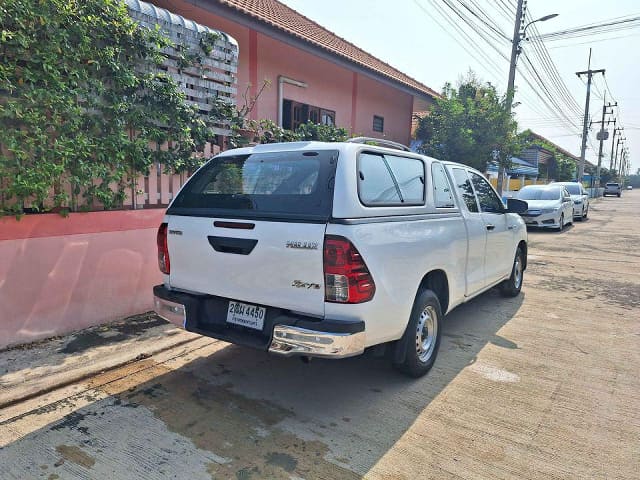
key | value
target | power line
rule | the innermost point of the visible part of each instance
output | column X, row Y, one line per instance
column 477, row 30
column 487, row 63
column 505, row 10
column 487, row 22
column 466, row 19
column 551, row 100
column 621, row 23
column 556, row 109
column 593, row 40
column 552, row 71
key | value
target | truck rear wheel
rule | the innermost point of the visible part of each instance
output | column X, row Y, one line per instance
column 512, row 286
column 421, row 339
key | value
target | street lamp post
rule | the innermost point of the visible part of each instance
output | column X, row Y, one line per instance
column 518, row 35
column 516, row 48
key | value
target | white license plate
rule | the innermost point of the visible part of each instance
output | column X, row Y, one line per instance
column 246, row 315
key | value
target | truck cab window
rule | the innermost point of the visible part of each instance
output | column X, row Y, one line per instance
column 442, row 194
column 465, row 189
column 489, row 201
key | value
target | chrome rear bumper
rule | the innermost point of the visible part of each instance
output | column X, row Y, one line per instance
column 290, row 340
column 171, row 311
column 283, row 333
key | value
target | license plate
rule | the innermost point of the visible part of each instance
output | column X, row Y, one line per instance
column 246, row 315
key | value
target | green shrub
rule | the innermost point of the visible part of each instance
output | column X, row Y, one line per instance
column 82, row 104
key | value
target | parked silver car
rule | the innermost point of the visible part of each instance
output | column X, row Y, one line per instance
column 550, row 206
column 580, row 199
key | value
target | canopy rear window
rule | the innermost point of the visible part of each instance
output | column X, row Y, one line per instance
column 287, row 185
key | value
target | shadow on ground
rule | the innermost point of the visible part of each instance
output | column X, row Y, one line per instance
column 55, row 351
column 240, row 413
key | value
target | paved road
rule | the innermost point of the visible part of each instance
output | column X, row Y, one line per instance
column 545, row 385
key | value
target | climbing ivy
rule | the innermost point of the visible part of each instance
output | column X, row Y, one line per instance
column 82, row 104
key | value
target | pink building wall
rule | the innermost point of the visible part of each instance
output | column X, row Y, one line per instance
column 61, row 274
column 330, row 85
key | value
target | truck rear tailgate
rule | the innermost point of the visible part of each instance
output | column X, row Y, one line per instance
column 250, row 228
column 258, row 266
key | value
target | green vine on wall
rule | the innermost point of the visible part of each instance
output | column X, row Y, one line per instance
column 82, row 105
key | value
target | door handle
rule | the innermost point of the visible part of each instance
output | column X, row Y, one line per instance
column 490, row 227
column 511, row 227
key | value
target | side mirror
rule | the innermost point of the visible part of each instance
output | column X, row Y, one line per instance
column 515, row 205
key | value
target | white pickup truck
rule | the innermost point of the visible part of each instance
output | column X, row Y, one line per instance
column 326, row 249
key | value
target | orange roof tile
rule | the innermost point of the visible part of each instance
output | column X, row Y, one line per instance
column 286, row 19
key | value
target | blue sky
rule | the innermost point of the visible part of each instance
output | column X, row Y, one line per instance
column 406, row 34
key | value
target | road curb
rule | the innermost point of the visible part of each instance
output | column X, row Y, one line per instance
column 85, row 374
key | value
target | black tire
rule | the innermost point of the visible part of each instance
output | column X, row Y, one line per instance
column 561, row 226
column 512, row 286
column 618, row 195
column 586, row 212
column 417, row 362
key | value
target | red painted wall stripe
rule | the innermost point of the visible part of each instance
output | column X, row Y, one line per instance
column 253, row 68
column 54, row 225
column 354, row 100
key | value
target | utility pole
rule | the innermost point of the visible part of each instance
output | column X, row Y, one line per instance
column 515, row 51
column 519, row 33
column 615, row 160
column 601, row 134
column 613, row 142
column 585, row 126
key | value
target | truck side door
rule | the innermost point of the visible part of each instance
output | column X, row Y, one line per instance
column 476, row 230
column 500, row 234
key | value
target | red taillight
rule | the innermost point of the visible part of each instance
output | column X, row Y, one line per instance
column 346, row 276
column 163, row 249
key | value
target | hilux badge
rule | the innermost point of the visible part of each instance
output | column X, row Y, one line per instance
column 302, row 245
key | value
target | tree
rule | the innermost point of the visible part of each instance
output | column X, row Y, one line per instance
column 565, row 169
column 471, row 125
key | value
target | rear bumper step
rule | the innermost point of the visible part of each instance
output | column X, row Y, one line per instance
column 289, row 340
column 284, row 333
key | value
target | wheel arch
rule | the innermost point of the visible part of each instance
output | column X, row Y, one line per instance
column 438, row 282
column 523, row 245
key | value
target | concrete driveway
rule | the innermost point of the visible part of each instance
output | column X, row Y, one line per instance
column 545, row 385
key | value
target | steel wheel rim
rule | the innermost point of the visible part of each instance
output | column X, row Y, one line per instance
column 517, row 272
column 426, row 333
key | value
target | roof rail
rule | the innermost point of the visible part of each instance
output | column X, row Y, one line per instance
column 379, row 141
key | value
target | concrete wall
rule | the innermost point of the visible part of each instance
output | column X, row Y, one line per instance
column 354, row 97
column 61, row 274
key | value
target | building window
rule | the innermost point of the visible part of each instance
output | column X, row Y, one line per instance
column 378, row 123
column 295, row 114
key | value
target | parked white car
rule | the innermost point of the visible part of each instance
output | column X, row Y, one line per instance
column 325, row 249
column 580, row 199
column 550, row 206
